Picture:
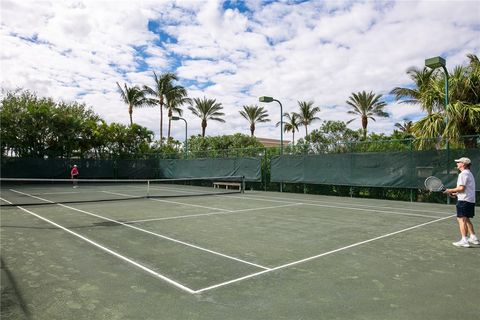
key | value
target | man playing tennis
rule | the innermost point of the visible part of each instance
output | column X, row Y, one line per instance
column 465, row 192
column 74, row 175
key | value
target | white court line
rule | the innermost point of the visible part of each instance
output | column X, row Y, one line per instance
column 339, row 207
column 136, row 264
column 319, row 255
column 149, row 232
column 214, row 213
column 258, row 197
column 2, row 199
column 172, row 189
column 305, row 201
column 50, row 193
column 168, row 201
column 372, row 210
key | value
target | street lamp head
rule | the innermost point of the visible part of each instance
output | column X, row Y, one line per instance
column 175, row 118
column 435, row 62
column 265, row 99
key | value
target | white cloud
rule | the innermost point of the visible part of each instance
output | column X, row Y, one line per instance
column 315, row 50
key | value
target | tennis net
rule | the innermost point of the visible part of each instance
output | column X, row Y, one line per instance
column 22, row 192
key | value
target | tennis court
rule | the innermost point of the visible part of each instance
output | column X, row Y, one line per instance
column 251, row 255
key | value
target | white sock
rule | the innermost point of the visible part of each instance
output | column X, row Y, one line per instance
column 473, row 237
column 464, row 239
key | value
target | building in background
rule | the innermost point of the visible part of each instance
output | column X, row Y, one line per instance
column 269, row 143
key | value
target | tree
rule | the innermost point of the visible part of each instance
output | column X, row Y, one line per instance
column 134, row 97
column 40, row 127
column 163, row 86
column 176, row 97
column 224, row 146
column 462, row 115
column 126, row 142
column 291, row 124
column 366, row 105
column 423, row 93
column 26, row 124
column 254, row 114
column 463, row 111
column 206, row 109
column 332, row 136
column 406, row 128
column 307, row 113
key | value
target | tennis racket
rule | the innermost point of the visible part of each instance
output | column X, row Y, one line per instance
column 434, row 184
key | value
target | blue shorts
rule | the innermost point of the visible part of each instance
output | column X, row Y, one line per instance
column 465, row 209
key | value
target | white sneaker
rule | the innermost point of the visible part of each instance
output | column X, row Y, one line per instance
column 461, row 243
column 473, row 240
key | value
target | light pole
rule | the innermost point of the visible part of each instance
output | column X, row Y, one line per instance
column 434, row 63
column 175, row 118
column 268, row 100
column 437, row 62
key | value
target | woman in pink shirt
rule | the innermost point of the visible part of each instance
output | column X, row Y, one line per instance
column 74, row 175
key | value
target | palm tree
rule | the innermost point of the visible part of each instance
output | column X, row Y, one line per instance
column 292, row 123
column 134, row 97
column 206, row 109
column 163, row 85
column 462, row 115
column 254, row 114
column 175, row 99
column 463, row 111
column 307, row 114
column 405, row 127
column 424, row 93
column 366, row 105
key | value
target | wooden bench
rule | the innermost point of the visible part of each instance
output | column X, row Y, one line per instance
column 217, row 184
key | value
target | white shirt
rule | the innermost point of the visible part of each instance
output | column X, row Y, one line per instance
column 466, row 179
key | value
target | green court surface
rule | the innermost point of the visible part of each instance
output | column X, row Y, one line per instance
column 257, row 255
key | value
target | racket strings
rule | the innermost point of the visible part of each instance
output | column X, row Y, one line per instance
column 433, row 184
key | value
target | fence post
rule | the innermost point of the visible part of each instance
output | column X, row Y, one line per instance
column 264, row 168
column 413, row 173
column 448, row 160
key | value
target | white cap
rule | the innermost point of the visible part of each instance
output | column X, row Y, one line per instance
column 463, row 160
column 76, row 165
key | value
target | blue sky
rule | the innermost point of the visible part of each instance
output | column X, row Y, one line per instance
column 233, row 51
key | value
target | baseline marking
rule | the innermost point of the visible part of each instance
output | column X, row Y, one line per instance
column 319, row 255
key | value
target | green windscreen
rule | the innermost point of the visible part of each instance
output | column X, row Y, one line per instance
column 89, row 168
column 373, row 169
column 15, row 167
column 249, row 167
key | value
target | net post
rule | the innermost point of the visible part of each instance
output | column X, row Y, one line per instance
column 243, row 184
column 148, row 188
